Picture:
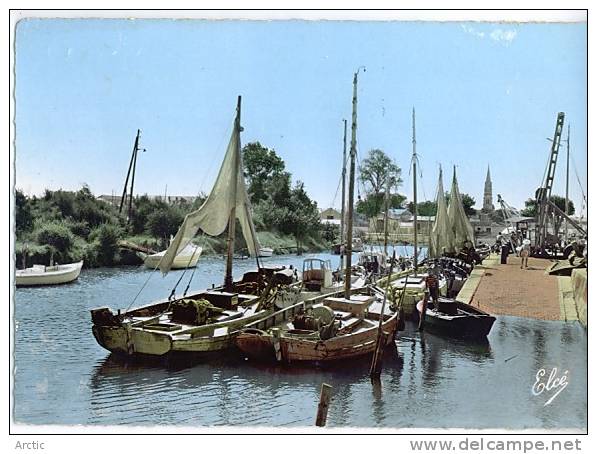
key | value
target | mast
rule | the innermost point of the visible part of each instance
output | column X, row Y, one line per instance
column 414, row 159
column 385, row 218
column 567, row 175
column 133, row 177
column 353, row 152
column 128, row 173
column 232, row 217
column 343, row 193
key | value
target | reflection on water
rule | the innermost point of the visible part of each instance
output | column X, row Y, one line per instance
column 63, row 377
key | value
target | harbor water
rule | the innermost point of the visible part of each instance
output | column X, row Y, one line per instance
column 63, row 377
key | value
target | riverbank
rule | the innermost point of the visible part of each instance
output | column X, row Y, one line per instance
column 212, row 246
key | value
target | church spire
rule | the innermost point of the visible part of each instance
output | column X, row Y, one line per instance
column 488, row 194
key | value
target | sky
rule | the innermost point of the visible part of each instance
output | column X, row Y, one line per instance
column 485, row 94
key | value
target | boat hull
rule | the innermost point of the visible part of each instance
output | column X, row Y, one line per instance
column 180, row 261
column 266, row 252
column 261, row 345
column 63, row 275
column 139, row 341
column 469, row 323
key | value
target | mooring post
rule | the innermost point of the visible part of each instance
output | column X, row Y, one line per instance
column 375, row 371
column 277, row 347
column 324, row 403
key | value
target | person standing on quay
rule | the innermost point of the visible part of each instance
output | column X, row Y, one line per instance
column 524, row 254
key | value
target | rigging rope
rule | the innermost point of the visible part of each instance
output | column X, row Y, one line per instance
column 143, row 286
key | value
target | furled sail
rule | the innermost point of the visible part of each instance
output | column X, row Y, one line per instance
column 440, row 240
column 229, row 191
column 461, row 228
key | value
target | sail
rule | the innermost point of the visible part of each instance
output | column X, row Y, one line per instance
column 440, row 240
column 229, row 191
column 461, row 228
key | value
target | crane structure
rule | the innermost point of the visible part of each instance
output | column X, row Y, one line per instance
column 543, row 194
column 546, row 208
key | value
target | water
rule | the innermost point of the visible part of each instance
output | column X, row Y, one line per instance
column 62, row 376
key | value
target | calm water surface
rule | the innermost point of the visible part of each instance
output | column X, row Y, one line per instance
column 62, row 376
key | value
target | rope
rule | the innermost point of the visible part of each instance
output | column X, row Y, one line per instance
column 143, row 286
column 192, row 274
column 337, row 189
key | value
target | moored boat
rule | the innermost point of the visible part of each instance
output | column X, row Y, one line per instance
column 204, row 321
column 456, row 319
column 187, row 258
column 48, row 275
column 266, row 252
column 334, row 329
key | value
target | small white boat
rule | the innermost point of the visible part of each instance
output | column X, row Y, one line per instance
column 187, row 258
column 48, row 275
column 266, row 252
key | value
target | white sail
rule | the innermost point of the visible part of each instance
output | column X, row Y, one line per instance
column 440, row 240
column 461, row 228
column 228, row 192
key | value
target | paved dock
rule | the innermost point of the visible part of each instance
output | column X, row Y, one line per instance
column 508, row 290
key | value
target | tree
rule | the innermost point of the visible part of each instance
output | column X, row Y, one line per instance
column 57, row 236
column 260, row 165
column 107, row 236
column 376, row 169
column 373, row 204
column 23, row 216
column 530, row 208
column 468, row 202
column 429, row 208
column 164, row 222
column 426, row 208
column 304, row 214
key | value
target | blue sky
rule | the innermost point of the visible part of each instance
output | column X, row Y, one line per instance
column 484, row 93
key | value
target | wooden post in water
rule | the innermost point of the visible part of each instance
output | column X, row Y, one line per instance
column 276, row 341
column 324, row 403
column 375, row 370
column 232, row 218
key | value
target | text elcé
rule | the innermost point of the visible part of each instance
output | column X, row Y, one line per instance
column 552, row 383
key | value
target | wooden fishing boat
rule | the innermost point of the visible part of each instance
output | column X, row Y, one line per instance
column 328, row 327
column 174, row 326
column 187, row 258
column 334, row 329
column 48, row 275
column 203, row 321
column 456, row 319
column 414, row 287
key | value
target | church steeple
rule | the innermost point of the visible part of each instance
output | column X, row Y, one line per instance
column 487, row 194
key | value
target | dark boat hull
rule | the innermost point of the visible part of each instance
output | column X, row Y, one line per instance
column 466, row 322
